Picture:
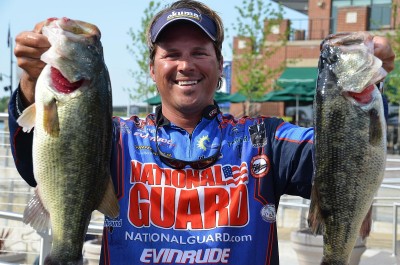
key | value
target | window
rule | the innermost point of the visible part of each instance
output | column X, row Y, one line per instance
column 380, row 16
column 380, row 12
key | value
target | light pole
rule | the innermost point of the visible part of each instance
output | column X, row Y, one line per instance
column 10, row 45
column 7, row 88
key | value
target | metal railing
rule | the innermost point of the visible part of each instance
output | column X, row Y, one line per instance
column 319, row 28
column 396, row 207
column 393, row 203
column 15, row 193
column 45, row 242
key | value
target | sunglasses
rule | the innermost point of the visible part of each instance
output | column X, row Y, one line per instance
column 195, row 164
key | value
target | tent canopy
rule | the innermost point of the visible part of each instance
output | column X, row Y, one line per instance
column 219, row 97
column 306, row 76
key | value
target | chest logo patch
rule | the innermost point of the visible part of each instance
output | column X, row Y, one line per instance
column 268, row 213
column 258, row 135
column 260, row 166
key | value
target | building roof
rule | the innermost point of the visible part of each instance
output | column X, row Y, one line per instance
column 298, row 5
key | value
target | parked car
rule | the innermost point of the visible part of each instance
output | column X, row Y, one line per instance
column 305, row 112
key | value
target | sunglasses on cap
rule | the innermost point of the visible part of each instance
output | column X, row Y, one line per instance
column 195, row 164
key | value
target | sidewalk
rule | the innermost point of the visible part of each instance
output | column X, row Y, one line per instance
column 370, row 257
column 378, row 250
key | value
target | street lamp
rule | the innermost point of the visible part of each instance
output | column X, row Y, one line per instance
column 10, row 45
column 7, row 88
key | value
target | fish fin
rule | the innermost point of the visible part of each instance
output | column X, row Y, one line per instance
column 375, row 128
column 366, row 224
column 49, row 260
column 314, row 215
column 50, row 119
column 27, row 119
column 36, row 215
column 109, row 206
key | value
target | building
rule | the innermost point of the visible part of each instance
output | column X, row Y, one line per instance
column 301, row 52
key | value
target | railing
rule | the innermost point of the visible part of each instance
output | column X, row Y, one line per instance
column 317, row 28
column 313, row 29
column 396, row 207
column 14, row 194
column 45, row 242
column 303, row 205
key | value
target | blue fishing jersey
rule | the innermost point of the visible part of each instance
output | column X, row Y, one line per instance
column 222, row 214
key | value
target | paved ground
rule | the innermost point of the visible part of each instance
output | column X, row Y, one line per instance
column 379, row 244
column 370, row 256
column 378, row 250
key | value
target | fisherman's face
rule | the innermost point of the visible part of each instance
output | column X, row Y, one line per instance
column 185, row 69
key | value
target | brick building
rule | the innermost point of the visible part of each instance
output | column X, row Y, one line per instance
column 302, row 49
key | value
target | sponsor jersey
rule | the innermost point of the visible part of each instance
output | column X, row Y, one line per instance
column 223, row 214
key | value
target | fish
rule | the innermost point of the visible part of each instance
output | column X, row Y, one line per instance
column 349, row 143
column 71, row 121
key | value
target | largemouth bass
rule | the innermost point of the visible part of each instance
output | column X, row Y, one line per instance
column 72, row 120
column 350, row 142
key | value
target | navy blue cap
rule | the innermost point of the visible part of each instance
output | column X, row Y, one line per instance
column 203, row 21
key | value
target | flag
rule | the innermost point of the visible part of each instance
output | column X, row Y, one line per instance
column 9, row 37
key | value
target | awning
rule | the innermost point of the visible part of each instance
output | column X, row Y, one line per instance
column 306, row 76
column 219, row 97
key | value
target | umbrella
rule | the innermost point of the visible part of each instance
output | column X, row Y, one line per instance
column 237, row 98
column 276, row 97
column 156, row 100
column 219, row 97
column 296, row 92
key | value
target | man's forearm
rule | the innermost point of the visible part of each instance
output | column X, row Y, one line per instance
column 21, row 142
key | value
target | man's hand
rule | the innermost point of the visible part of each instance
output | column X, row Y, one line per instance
column 30, row 45
column 383, row 51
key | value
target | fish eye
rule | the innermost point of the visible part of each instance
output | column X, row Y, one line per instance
column 332, row 58
column 93, row 49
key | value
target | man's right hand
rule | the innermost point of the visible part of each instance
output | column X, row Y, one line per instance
column 29, row 46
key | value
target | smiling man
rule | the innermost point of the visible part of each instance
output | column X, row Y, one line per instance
column 186, row 70
column 194, row 185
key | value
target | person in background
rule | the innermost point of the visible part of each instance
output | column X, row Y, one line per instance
column 195, row 186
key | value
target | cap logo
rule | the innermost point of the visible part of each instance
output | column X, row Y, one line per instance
column 180, row 14
column 207, row 24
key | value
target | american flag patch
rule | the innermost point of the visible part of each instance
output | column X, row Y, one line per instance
column 235, row 174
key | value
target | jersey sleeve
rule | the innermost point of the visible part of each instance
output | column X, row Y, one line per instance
column 293, row 159
column 21, row 142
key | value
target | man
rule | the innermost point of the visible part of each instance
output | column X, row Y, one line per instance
column 194, row 186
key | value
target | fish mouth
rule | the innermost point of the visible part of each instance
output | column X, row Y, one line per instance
column 76, row 27
column 61, row 84
column 365, row 96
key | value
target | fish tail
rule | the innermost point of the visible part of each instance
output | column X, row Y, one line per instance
column 49, row 260
column 314, row 214
column 366, row 224
column 334, row 263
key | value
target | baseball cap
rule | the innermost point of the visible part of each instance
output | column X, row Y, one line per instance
column 188, row 14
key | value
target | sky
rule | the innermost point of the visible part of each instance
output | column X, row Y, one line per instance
column 113, row 18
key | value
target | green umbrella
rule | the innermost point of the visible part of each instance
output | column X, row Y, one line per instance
column 295, row 92
column 237, row 98
column 219, row 97
column 156, row 100
column 275, row 96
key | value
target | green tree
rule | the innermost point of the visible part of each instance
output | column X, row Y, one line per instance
column 4, row 104
column 143, row 87
column 251, row 71
column 392, row 83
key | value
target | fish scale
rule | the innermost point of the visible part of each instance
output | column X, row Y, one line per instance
column 72, row 117
column 350, row 144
